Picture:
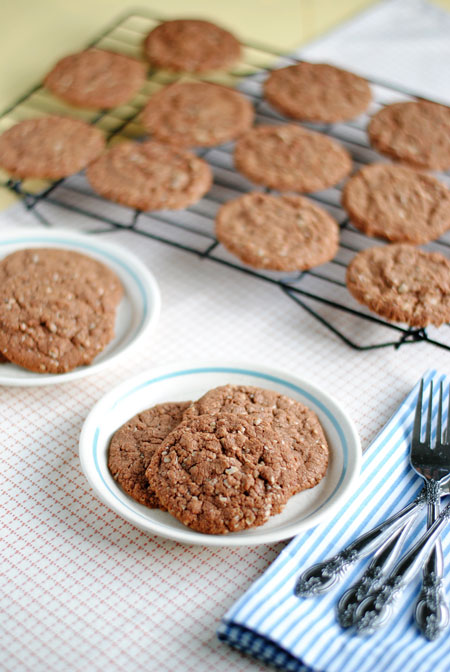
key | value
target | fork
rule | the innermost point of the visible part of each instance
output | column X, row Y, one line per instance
column 432, row 613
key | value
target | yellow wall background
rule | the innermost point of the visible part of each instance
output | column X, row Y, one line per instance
column 34, row 34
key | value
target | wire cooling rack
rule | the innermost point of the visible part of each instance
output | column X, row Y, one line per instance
column 321, row 291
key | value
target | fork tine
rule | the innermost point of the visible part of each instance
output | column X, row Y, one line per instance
column 439, row 419
column 429, row 417
column 418, row 416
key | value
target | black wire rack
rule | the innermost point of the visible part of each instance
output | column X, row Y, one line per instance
column 321, row 291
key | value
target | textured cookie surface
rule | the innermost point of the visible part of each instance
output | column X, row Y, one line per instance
column 150, row 176
column 290, row 158
column 223, row 473
column 189, row 114
column 134, row 444
column 55, row 313
column 402, row 283
column 296, row 425
column 397, row 203
column 189, row 45
column 80, row 270
column 417, row 133
column 284, row 233
column 317, row 92
column 49, row 147
column 96, row 78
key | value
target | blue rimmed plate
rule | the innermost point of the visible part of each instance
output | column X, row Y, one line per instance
column 137, row 312
column 188, row 381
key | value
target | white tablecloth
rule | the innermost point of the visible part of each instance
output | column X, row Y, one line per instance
column 82, row 588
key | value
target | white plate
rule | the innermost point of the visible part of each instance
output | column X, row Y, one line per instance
column 137, row 312
column 189, row 381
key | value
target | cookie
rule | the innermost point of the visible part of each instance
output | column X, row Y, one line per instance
column 49, row 147
column 280, row 233
column 80, row 269
column 96, row 78
column 189, row 114
column 222, row 473
column 55, row 313
column 190, row 45
column 134, row 444
column 397, row 203
column 417, row 133
column 150, row 176
column 290, row 158
column 402, row 283
column 296, row 425
column 317, row 92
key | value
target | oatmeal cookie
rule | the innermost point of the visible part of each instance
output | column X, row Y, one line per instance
column 281, row 233
column 290, row 158
column 402, row 283
column 49, row 147
column 134, row 444
column 96, row 78
column 190, row 114
column 397, row 203
column 150, row 176
column 190, row 45
column 296, row 425
column 416, row 132
column 220, row 474
column 317, row 92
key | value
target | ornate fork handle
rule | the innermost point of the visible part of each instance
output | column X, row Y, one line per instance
column 375, row 610
column 324, row 575
column 384, row 560
column 432, row 612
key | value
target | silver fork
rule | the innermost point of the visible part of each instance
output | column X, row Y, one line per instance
column 432, row 612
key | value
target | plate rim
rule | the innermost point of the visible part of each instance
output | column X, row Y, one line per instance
column 144, row 279
column 90, row 433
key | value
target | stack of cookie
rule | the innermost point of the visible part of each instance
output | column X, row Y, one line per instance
column 57, row 309
column 224, row 463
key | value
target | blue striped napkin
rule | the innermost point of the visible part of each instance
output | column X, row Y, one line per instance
column 301, row 635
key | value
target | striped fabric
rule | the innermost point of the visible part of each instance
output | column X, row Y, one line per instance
column 301, row 635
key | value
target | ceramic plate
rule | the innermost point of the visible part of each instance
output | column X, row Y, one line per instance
column 137, row 313
column 184, row 382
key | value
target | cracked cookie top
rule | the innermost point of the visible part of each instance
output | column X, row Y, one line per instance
column 57, row 309
column 223, row 473
column 402, row 283
column 295, row 424
column 49, row 147
column 397, row 203
column 134, row 444
column 416, row 132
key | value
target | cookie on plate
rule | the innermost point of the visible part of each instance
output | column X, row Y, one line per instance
column 81, row 270
column 49, row 147
column 402, row 283
column 281, row 233
column 223, row 473
column 96, row 78
column 317, row 92
column 55, row 314
column 290, row 158
column 191, row 45
column 150, row 176
column 188, row 114
column 416, row 132
column 296, row 425
column 397, row 203
column 134, row 444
